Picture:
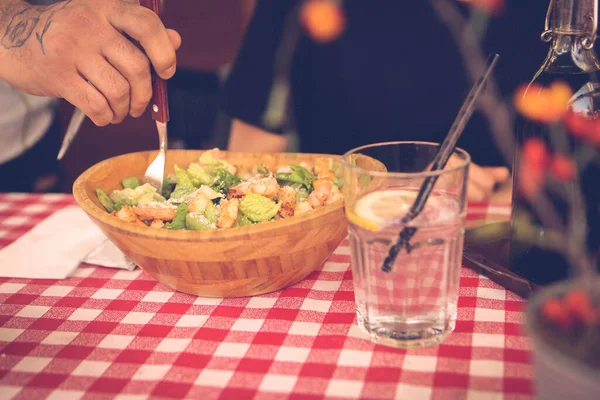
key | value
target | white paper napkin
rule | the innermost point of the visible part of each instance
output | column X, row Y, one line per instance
column 109, row 255
column 55, row 247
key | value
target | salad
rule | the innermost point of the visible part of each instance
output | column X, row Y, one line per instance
column 213, row 194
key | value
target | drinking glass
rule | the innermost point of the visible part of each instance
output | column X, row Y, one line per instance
column 414, row 304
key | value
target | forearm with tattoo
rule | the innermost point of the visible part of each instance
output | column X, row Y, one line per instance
column 22, row 22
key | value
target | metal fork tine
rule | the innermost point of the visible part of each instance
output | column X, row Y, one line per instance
column 155, row 173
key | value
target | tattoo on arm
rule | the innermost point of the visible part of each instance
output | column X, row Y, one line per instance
column 40, row 37
column 25, row 22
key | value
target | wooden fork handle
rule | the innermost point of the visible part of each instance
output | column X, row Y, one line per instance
column 159, row 104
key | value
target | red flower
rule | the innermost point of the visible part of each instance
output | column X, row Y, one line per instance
column 555, row 311
column 579, row 304
column 323, row 20
column 534, row 160
column 583, row 127
column 594, row 136
column 577, row 124
column 575, row 308
column 493, row 7
column 563, row 168
column 535, row 153
column 545, row 105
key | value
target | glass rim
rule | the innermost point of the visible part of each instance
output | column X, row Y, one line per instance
column 462, row 165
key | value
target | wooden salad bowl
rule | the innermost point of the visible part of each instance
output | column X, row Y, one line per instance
column 234, row 262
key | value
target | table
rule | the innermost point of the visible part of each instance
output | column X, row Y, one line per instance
column 107, row 333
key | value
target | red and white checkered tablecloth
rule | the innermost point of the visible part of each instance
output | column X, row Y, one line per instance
column 107, row 333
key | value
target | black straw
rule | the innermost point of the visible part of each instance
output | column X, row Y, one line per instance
column 441, row 158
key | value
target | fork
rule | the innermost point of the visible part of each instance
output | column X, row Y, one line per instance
column 160, row 113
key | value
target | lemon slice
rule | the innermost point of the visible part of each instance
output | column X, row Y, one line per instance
column 375, row 209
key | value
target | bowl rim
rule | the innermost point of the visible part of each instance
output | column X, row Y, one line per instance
column 95, row 212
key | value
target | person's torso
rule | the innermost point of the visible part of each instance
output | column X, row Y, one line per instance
column 397, row 74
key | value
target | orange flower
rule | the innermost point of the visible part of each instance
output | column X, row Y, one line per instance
column 493, row 7
column 563, row 168
column 545, row 105
column 534, row 160
column 324, row 20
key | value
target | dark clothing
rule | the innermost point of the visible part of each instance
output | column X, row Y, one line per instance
column 193, row 107
column 395, row 74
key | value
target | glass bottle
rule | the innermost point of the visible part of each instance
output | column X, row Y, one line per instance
column 571, row 31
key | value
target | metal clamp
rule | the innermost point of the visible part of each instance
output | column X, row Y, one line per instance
column 547, row 34
column 587, row 42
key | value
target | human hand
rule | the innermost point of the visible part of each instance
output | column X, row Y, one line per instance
column 482, row 180
column 81, row 50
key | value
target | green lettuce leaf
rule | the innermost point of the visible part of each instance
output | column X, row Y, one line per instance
column 183, row 178
column 183, row 188
column 211, row 213
column 299, row 177
column 339, row 174
column 263, row 170
column 207, row 160
column 132, row 182
column 198, row 222
column 179, row 219
column 258, row 208
column 301, row 195
column 243, row 220
column 142, row 194
column 106, row 201
column 167, row 187
column 224, row 181
column 200, row 175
